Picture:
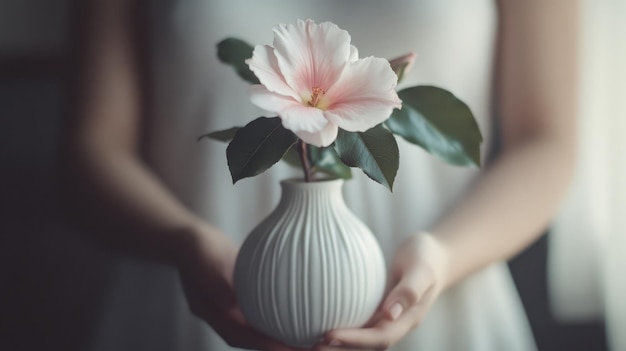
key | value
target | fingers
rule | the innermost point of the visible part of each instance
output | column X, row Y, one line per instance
column 221, row 312
column 376, row 318
column 237, row 333
column 323, row 347
column 409, row 291
column 378, row 337
column 403, row 309
column 228, row 321
column 382, row 335
column 210, row 296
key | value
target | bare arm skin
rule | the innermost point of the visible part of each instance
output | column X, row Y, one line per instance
column 113, row 186
column 537, row 91
column 105, row 140
column 518, row 194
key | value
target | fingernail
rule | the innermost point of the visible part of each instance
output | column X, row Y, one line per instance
column 334, row 343
column 395, row 311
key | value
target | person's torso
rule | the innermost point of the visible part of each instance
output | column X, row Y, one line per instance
column 194, row 93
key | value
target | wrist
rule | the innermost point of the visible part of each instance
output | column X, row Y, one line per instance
column 203, row 245
column 439, row 256
column 186, row 240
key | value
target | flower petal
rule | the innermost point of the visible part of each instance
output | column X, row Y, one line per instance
column 354, row 54
column 364, row 96
column 322, row 138
column 269, row 101
column 265, row 66
column 311, row 55
column 300, row 118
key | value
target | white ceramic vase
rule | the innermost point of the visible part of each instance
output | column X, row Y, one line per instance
column 311, row 266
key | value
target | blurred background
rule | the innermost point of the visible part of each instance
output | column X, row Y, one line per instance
column 48, row 303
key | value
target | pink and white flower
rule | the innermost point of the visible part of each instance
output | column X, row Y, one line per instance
column 314, row 81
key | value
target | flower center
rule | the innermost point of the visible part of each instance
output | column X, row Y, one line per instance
column 316, row 94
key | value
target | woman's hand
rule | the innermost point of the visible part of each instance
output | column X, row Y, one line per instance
column 206, row 264
column 417, row 278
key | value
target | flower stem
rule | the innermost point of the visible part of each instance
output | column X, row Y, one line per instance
column 304, row 159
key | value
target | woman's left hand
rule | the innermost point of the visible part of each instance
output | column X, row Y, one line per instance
column 417, row 278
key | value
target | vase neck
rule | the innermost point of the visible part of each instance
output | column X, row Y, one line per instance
column 325, row 190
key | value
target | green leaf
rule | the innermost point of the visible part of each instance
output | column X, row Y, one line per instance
column 258, row 146
column 292, row 157
column 374, row 151
column 323, row 160
column 327, row 161
column 235, row 52
column 439, row 122
column 225, row 135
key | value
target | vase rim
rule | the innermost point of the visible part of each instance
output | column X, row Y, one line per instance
column 316, row 183
column 319, row 180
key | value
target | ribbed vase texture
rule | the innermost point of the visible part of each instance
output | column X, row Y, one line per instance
column 311, row 266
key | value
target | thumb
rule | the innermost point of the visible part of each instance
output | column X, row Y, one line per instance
column 408, row 292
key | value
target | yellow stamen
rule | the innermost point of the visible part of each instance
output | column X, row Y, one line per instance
column 316, row 93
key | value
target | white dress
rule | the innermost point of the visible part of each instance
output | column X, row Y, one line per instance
column 194, row 93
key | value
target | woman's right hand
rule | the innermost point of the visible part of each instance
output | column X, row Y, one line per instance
column 206, row 263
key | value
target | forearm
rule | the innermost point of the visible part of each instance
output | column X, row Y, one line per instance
column 508, row 208
column 123, row 201
column 537, row 88
column 128, row 207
